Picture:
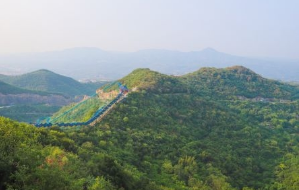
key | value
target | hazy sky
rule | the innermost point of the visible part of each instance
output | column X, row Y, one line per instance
column 241, row 27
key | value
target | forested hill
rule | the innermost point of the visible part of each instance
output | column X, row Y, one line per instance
column 29, row 105
column 9, row 89
column 39, row 94
column 170, row 133
column 145, row 79
column 237, row 81
column 227, row 83
column 178, row 133
column 45, row 80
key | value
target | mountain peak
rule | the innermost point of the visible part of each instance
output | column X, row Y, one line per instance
column 43, row 71
column 141, row 77
column 233, row 69
column 209, row 50
column 241, row 69
column 39, row 73
column 46, row 80
column 153, row 81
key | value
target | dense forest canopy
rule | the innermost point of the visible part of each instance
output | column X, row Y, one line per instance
column 213, row 129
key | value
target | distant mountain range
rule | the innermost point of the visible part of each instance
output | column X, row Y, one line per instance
column 94, row 63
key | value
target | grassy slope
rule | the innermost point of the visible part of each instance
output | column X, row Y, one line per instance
column 80, row 114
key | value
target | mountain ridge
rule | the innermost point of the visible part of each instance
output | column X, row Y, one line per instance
column 91, row 63
column 222, row 142
column 235, row 80
column 167, row 135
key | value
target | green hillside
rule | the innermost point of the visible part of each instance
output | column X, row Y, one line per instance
column 153, row 81
column 237, row 81
column 181, row 138
column 29, row 105
column 81, row 113
column 16, row 103
column 44, row 80
column 9, row 89
column 172, row 133
column 38, row 158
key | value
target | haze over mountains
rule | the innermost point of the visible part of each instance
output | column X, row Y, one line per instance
column 94, row 63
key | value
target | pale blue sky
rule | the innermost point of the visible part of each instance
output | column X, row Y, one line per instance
column 268, row 28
